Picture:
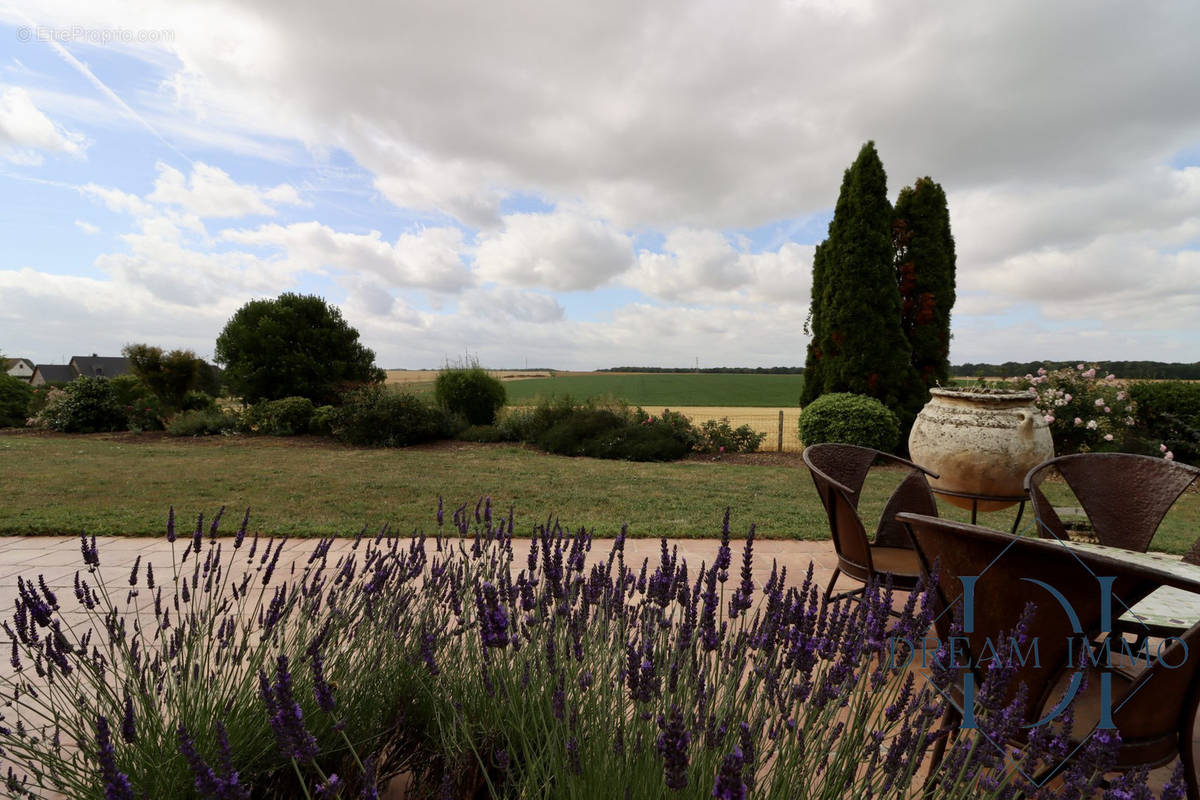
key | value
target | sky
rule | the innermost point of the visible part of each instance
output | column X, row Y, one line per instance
column 580, row 185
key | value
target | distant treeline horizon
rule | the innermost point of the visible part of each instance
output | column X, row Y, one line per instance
column 1122, row 369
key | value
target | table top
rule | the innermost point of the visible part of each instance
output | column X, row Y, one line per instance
column 1165, row 609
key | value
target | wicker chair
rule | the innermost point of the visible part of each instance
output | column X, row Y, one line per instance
column 839, row 471
column 1124, row 496
column 1156, row 726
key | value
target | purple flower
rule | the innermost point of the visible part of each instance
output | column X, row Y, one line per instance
column 116, row 783
column 672, row 745
column 128, row 732
column 729, row 784
column 331, row 787
column 493, row 620
column 724, row 556
column 286, row 718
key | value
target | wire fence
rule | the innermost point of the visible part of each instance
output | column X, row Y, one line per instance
column 779, row 424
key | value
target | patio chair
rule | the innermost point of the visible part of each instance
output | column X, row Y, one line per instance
column 1124, row 496
column 839, row 472
column 1192, row 556
column 1157, row 725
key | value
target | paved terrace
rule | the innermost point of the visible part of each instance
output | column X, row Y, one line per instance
column 57, row 558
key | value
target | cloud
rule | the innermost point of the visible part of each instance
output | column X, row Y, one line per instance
column 87, row 227
column 510, row 305
column 26, row 133
column 427, row 259
column 562, row 251
column 210, row 192
column 702, row 266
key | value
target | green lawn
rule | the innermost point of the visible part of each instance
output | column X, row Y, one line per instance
column 123, row 484
column 665, row 389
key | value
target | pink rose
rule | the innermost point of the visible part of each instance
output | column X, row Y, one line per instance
column 1067, row 397
column 1169, row 456
column 1108, row 437
column 1099, row 401
column 1079, row 367
column 1041, row 370
column 1162, row 448
column 1078, row 421
column 1049, row 419
column 1107, row 410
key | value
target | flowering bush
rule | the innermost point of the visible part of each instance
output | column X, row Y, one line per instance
column 233, row 673
column 85, row 405
column 1085, row 412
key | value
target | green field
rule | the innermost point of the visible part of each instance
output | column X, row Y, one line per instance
column 123, row 484
column 664, row 389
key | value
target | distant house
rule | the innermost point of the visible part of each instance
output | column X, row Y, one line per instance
column 52, row 373
column 92, row 366
column 19, row 368
column 95, row 366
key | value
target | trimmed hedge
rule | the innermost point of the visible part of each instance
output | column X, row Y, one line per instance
column 1168, row 413
column 849, row 419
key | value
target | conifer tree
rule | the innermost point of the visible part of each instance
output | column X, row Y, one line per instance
column 857, row 343
column 925, row 265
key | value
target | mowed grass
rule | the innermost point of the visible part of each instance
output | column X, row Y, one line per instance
column 664, row 389
column 122, row 484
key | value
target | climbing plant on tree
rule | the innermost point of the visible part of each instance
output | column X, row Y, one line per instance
column 857, row 343
column 925, row 264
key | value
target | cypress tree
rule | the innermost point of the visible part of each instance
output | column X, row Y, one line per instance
column 857, row 343
column 925, row 264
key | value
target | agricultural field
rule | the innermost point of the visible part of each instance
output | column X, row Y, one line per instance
column 665, row 389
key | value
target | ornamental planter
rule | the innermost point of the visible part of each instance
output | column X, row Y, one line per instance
column 980, row 442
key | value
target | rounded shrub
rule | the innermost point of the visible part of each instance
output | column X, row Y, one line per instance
column 849, row 419
column 16, row 400
column 376, row 416
column 638, row 443
column 471, row 392
column 573, row 435
column 87, row 405
column 324, row 420
column 288, row 416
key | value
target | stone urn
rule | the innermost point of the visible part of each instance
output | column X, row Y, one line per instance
column 980, row 442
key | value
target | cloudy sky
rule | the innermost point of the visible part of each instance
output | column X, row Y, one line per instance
column 590, row 184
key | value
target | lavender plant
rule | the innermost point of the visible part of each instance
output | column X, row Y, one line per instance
column 258, row 669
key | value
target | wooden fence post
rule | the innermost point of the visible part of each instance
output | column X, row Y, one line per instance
column 781, row 430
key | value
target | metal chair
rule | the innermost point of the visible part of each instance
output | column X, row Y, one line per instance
column 839, row 471
column 1124, row 496
column 1157, row 724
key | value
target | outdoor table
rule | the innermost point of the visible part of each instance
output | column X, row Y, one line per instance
column 1168, row 610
